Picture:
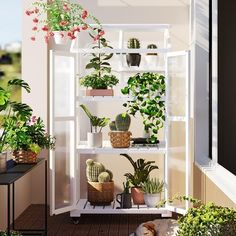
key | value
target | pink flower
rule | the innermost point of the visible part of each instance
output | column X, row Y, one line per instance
column 33, row 119
column 96, row 38
column 46, row 38
column 65, row 7
column 33, row 38
column 63, row 23
column 101, row 33
column 28, row 13
column 51, row 34
column 76, row 29
column 34, row 28
column 45, row 28
column 62, row 35
column 36, row 10
column 35, row 20
column 84, row 14
column 84, row 27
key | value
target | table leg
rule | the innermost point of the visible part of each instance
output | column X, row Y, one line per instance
column 13, row 206
column 8, row 209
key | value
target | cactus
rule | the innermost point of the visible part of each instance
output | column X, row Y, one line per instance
column 110, row 173
column 133, row 43
column 123, row 122
column 104, row 177
column 152, row 46
column 112, row 126
column 93, row 170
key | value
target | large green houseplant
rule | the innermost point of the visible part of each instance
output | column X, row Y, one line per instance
column 101, row 80
column 142, row 170
column 147, row 91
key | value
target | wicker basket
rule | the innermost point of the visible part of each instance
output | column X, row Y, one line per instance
column 26, row 157
column 120, row 139
column 100, row 193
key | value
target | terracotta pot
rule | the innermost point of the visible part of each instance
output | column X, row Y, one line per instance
column 99, row 92
column 137, row 195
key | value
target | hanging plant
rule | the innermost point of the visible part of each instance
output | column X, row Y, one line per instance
column 147, row 91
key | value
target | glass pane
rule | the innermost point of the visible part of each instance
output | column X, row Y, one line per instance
column 177, row 85
column 64, row 169
column 63, row 86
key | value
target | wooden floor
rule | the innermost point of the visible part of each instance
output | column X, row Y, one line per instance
column 89, row 225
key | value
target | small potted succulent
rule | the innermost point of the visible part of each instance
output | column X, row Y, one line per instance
column 11, row 110
column 152, row 190
column 61, row 20
column 94, row 137
column 142, row 169
column 120, row 134
column 152, row 57
column 133, row 59
column 100, row 183
column 101, row 80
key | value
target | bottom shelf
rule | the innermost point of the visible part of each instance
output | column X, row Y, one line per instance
column 84, row 207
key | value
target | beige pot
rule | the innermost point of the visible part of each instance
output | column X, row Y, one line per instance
column 137, row 195
column 99, row 92
column 94, row 139
column 151, row 200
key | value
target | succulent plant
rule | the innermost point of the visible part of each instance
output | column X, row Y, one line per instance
column 110, row 173
column 104, row 177
column 152, row 46
column 153, row 186
column 112, row 126
column 133, row 43
column 93, row 170
column 122, row 122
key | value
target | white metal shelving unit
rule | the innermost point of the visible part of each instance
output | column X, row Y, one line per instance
column 65, row 96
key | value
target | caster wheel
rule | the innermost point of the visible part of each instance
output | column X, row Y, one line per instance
column 75, row 220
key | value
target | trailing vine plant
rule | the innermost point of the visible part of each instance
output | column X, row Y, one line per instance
column 146, row 91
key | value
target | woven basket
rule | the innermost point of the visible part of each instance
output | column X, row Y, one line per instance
column 100, row 193
column 120, row 139
column 26, row 157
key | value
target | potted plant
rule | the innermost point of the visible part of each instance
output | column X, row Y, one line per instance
column 100, row 183
column 141, row 173
column 100, row 81
column 119, row 134
column 147, row 91
column 27, row 138
column 124, row 198
column 64, row 20
column 94, row 137
column 10, row 110
column 152, row 57
column 133, row 59
column 152, row 189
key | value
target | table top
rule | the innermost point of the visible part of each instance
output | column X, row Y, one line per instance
column 16, row 171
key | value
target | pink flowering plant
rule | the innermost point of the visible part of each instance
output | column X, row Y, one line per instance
column 63, row 16
column 28, row 135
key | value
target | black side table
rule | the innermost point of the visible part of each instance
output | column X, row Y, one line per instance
column 13, row 173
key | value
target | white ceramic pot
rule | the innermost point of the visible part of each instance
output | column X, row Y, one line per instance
column 151, row 200
column 94, row 139
column 152, row 61
column 59, row 39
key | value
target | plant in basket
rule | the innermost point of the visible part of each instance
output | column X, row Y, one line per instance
column 10, row 110
column 100, row 81
column 27, row 138
column 61, row 19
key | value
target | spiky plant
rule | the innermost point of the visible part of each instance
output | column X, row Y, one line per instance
column 153, row 186
column 133, row 43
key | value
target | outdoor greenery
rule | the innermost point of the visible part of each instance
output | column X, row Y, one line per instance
column 146, row 91
column 95, row 122
column 142, row 170
column 63, row 16
column 153, row 186
column 101, row 77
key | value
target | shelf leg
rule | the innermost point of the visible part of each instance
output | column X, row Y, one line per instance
column 46, row 198
column 13, row 206
column 8, row 209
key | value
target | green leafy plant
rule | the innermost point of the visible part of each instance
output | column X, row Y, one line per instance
column 126, row 186
column 147, row 91
column 153, row 186
column 27, row 135
column 12, row 110
column 62, row 15
column 95, row 121
column 101, row 77
column 142, row 170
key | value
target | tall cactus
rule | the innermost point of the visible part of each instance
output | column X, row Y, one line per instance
column 133, row 43
column 93, row 170
column 123, row 122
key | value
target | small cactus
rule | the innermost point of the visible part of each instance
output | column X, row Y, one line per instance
column 104, row 177
column 152, row 46
column 93, row 170
column 110, row 173
column 112, row 126
column 123, row 122
column 133, row 43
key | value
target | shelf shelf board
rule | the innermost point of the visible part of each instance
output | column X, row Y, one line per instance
column 103, row 98
column 84, row 207
column 177, row 118
column 84, row 149
column 139, row 70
